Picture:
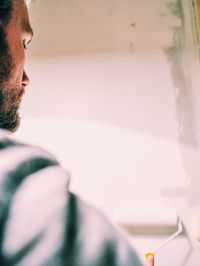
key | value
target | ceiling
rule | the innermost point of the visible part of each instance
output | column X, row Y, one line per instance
column 99, row 26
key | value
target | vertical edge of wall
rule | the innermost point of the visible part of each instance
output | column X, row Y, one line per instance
column 196, row 21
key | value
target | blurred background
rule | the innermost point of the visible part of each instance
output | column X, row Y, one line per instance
column 114, row 95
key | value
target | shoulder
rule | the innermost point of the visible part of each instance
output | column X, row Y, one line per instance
column 26, row 170
column 19, row 162
column 21, row 159
column 8, row 143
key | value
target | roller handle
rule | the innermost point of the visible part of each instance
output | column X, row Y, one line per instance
column 150, row 259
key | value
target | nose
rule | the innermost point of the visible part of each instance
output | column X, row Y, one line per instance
column 25, row 79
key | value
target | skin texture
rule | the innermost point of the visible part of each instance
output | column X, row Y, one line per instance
column 13, row 79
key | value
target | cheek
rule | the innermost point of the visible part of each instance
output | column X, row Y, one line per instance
column 17, row 54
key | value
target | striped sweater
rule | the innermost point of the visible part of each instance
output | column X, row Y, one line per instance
column 43, row 224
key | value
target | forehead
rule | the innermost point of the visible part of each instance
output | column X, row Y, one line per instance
column 20, row 15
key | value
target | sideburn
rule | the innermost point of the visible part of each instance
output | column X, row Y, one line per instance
column 6, row 64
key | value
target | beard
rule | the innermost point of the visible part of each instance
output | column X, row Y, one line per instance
column 10, row 96
column 10, row 100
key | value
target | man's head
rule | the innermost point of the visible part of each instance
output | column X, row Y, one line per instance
column 15, row 34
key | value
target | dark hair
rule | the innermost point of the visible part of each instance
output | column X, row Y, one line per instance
column 6, row 8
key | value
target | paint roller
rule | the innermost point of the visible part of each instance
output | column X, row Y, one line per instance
column 151, row 221
column 150, row 256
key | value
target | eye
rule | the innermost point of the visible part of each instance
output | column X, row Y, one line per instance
column 25, row 44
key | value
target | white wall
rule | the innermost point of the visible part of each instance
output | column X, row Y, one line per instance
column 118, row 116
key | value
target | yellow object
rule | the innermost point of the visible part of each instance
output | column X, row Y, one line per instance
column 150, row 259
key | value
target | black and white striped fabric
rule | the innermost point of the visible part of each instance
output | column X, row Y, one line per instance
column 43, row 224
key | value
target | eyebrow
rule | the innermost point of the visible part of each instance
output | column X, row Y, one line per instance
column 27, row 28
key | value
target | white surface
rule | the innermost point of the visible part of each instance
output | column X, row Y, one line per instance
column 164, row 217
